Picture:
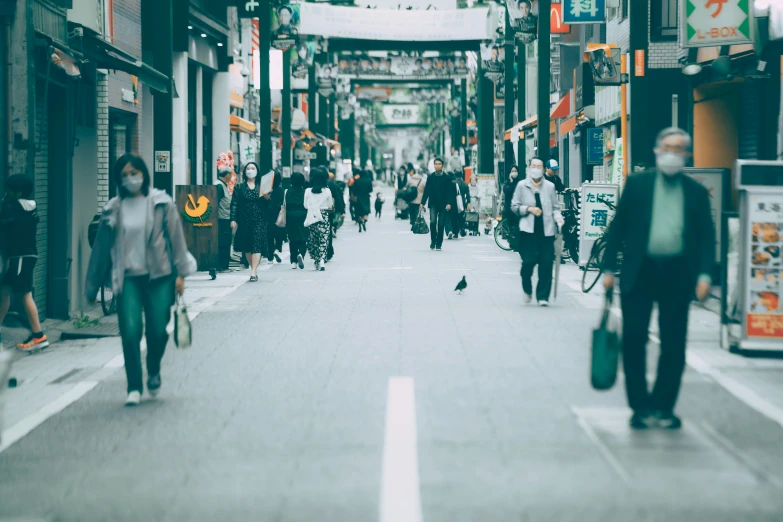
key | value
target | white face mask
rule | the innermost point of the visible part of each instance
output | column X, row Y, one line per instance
column 670, row 163
column 251, row 173
column 132, row 183
column 535, row 174
column 514, row 174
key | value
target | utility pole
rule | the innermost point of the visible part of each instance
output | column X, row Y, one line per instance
column 521, row 109
column 640, row 150
column 463, row 107
column 285, row 115
column 508, row 98
column 543, row 79
column 485, row 121
column 264, row 93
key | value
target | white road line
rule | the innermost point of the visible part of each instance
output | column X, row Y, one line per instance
column 400, row 497
column 603, row 450
column 29, row 423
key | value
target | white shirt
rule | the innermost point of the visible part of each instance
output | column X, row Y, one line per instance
column 322, row 201
column 134, row 234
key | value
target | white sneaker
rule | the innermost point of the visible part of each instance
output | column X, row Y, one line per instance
column 527, row 298
column 293, row 266
column 134, row 398
column 317, row 265
column 543, row 303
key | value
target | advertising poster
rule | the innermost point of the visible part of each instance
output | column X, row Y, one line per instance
column 492, row 61
column 524, row 19
column 327, row 78
column 302, row 58
column 764, row 314
column 285, row 26
column 596, row 215
column 403, row 67
column 485, row 190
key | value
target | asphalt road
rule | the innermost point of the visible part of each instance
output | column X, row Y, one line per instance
column 373, row 392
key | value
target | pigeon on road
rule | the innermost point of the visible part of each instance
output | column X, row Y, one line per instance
column 462, row 285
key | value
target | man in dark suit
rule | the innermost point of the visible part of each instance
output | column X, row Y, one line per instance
column 441, row 193
column 665, row 230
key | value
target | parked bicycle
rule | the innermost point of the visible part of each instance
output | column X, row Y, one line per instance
column 108, row 300
column 594, row 268
column 571, row 224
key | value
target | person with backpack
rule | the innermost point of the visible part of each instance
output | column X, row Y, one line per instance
column 415, row 191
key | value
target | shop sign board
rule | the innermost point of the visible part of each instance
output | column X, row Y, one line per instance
column 162, row 161
column 607, row 104
column 596, row 216
column 595, row 146
column 196, row 204
column 392, row 114
column 713, row 23
column 714, row 180
column 584, row 11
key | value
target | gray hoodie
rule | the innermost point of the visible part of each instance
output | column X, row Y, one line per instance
column 167, row 252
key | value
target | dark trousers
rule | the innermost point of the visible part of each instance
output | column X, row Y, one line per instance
column 330, row 247
column 457, row 221
column 413, row 213
column 378, row 213
column 666, row 282
column 296, row 248
column 437, row 225
column 154, row 299
column 274, row 240
column 537, row 250
column 224, row 243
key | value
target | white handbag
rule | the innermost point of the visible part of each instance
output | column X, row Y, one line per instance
column 183, row 335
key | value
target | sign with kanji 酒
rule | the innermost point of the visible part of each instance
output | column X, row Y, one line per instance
column 584, row 11
column 598, row 208
column 712, row 23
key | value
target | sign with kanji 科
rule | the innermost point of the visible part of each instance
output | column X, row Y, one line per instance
column 584, row 11
column 712, row 23
column 599, row 201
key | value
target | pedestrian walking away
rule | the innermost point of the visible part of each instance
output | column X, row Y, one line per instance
column 379, row 201
column 274, row 234
column 248, row 219
column 225, row 166
column 419, row 183
column 362, row 189
column 295, row 215
column 535, row 201
column 318, row 201
column 664, row 227
column 141, row 242
column 18, row 226
column 441, row 195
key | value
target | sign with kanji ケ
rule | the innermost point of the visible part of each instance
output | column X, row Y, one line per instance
column 711, row 23
column 584, row 11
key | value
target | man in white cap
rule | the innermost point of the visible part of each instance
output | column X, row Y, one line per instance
column 552, row 171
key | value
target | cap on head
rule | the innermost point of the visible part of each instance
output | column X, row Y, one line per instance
column 553, row 164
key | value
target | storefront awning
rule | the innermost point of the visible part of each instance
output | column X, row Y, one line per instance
column 241, row 125
column 108, row 56
column 562, row 110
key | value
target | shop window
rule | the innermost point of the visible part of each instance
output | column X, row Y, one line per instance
column 663, row 20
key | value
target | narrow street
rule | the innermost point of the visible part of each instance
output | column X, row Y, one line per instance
column 295, row 404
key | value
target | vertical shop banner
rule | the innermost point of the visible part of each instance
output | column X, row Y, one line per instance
column 584, row 11
column 617, row 165
column 712, row 23
column 408, row 5
column 524, row 19
column 764, row 286
column 492, row 66
column 596, row 215
column 285, row 26
column 595, row 146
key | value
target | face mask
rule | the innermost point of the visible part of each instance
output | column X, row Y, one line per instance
column 133, row 183
column 670, row 163
column 251, row 174
column 535, row 174
column 514, row 174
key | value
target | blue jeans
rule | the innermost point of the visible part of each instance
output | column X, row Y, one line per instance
column 154, row 299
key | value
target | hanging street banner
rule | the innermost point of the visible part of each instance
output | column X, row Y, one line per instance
column 523, row 19
column 408, row 5
column 285, row 31
column 492, row 66
column 327, row 78
column 584, row 11
column 302, row 58
column 395, row 25
column 403, row 68
column 711, row 23
column 402, row 95
column 401, row 114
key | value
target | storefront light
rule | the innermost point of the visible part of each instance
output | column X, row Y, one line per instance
column 692, row 69
column 203, row 35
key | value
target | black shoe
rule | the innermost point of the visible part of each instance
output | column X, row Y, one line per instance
column 212, row 274
column 432, row 246
column 300, row 262
column 438, row 248
column 153, row 385
column 451, row 236
column 641, row 420
column 277, row 259
column 667, row 420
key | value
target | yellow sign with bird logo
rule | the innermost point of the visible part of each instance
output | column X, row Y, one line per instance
column 197, row 212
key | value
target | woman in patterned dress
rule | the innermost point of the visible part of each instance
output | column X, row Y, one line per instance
column 319, row 198
column 248, row 219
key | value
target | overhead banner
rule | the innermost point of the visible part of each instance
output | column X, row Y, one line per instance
column 403, row 68
column 409, row 5
column 402, row 114
column 402, row 95
column 711, row 23
column 395, row 25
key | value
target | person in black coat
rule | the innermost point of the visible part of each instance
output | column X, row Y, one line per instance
column 362, row 189
column 295, row 215
column 508, row 194
column 664, row 228
column 275, row 234
column 441, row 194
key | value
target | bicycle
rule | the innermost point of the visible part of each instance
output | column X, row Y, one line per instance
column 504, row 234
column 596, row 260
column 570, row 227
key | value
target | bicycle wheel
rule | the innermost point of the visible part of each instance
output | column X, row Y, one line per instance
column 503, row 235
column 108, row 303
column 592, row 272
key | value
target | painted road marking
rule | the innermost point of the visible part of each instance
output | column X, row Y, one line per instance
column 80, row 389
column 400, row 497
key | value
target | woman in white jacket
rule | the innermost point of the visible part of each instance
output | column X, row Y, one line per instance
column 318, row 199
column 419, row 181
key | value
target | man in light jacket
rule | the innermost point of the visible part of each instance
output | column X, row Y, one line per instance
column 535, row 202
